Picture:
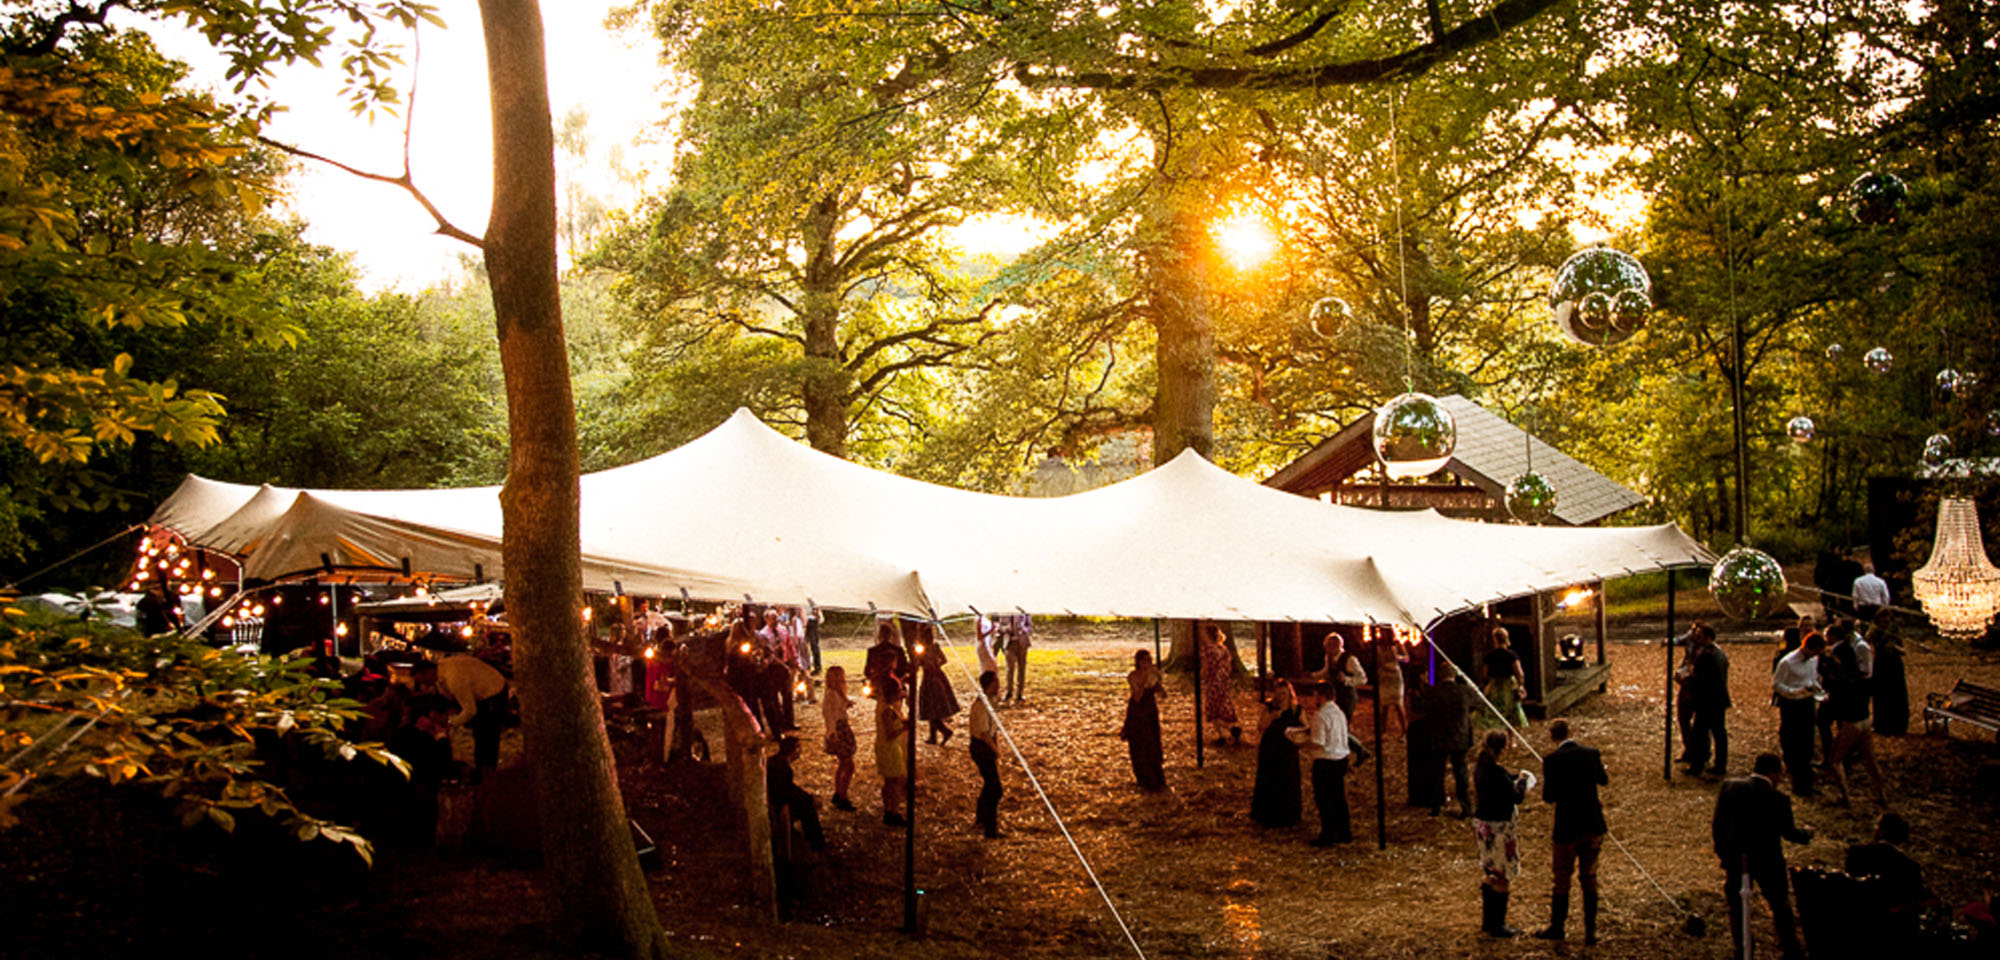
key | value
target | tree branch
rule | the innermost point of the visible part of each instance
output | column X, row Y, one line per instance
column 1311, row 30
column 444, row 227
column 76, row 14
column 1411, row 63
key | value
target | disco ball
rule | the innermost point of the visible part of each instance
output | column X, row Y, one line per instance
column 1414, row 436
column 1800, row 429
column 1874, row 197
column 1833, row 351
column 1601, row 296
column 1531, row 498
column 1879, row 360
column 1748, row 584
column 1937, row 449
column 1948, row 383
column 1328, row 313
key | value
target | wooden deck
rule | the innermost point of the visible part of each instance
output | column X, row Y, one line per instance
column 1576, row 685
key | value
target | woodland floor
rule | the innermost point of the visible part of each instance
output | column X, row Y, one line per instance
column 1189, row 871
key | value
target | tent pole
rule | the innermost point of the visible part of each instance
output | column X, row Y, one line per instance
column 1156, row 641
column 1667, row 755
column 1605, row 683
column 910, row 800
column 1381, row 794
column 1198, row 658
column 1263, row 637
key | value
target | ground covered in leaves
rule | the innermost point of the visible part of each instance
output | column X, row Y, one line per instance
column 1190, row 873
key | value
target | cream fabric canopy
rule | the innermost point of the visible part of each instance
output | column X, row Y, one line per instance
column 744, row 511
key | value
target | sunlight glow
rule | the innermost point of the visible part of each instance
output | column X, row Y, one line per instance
column 1246, row 240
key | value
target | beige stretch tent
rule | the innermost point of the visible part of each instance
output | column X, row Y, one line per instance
column 743, row 510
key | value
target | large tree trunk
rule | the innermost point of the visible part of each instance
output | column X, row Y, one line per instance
column 1181, row 265
column 825, row 388
column 600, row 900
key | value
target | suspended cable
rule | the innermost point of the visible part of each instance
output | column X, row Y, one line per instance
column 1402, row 260
column 72, row 557
column 1047, row 803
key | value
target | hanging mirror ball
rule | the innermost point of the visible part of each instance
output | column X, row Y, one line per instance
column 1874, row 197
column 1748, row 584
column 1414, row 436
column 1833, row 351
column 1531, row 498
column 1948, row 383
column 1879, row 360
column 1601, row 296
column 1329, row 314
column 1800, row 429
column 1937, row 449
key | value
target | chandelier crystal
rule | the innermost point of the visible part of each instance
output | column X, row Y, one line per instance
column 1959, row 587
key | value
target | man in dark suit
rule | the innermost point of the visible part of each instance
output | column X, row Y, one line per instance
column 1707, row 696
column 1751, row 817
column 1571, row 774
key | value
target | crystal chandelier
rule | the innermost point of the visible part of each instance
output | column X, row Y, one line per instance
column 1959, row 587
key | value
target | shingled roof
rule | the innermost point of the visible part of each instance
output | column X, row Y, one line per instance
column 1490, row 453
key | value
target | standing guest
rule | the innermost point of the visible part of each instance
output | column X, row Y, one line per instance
column 1684, row 706
column 885, row 659
column 935, row 701
column 647, row 620
column 1141, row 731
column 1572, row 773
column 892, row 761
column 1871, row 594
column 743, row 671
column 1390, row 657
column 1324, row 739
column 774, row 688
column 1344, row 671
column 1889, row 687
column 801, row 656
column 782, row 792
column 1498, row 792
column 409, row 804
column 1707, row 691
column 985, row 746
column 481, row 693
column 1020, row 636
column 1423, row 756
column 813, row 619
column 1795, row 685
column 1751, row 815
column 1843, row 672
column 982, row 645
column 1503, row 685
column 1274, row 802
column 1218, row 684
column 840, row 742
column 1840, row 676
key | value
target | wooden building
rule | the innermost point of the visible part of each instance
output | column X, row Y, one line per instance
column 1490, row 453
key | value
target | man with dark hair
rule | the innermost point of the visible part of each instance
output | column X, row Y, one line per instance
column 1571, row 774
column 1707, row 696
column 1795, row 686
column 985, row 748
column 1751, row 816
column 1903, row 893
column 1324, row 739
column 782, row 792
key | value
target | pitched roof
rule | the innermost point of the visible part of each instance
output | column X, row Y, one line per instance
column 1489, row 454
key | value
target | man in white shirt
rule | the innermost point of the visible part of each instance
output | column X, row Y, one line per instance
column 1871, row 594
column 481, row 694
column 1324, row 740
column 1795, row 683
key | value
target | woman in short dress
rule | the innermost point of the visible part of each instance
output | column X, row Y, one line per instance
column 1218, row 684
column 892, row 761
column 1496, row 792
column 840, row 742
column 1142, row 723
column 935, row 701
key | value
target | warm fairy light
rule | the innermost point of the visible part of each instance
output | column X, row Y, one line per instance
column 465, row 631
column 215, row 591
column 322, row 599
column 650, row 653
column 277, row 599
column 745, row 648
column 340, row 629
column 228, row 622
column 1246, row 240
column 586, row 614
column 207, row 574
column 920, row 649
column 867, row 689
column 257, row 611
column 799, row 687
column 423, row 591
column 1575, row 597
column 141, row 575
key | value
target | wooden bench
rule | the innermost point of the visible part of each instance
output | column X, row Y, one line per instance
column 1968, row 702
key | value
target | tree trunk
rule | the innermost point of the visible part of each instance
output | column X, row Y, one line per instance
column 825, row 388
column 1180, row 268
column 599, row 899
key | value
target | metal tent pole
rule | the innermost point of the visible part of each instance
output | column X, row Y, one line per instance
column 1381, row 792
column 1198, row 734
column 1667, row 754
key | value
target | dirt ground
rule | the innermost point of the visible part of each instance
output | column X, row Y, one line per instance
column 1193, row 876
column 1188, row 870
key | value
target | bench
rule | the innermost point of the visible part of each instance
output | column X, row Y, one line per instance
column 1968, row 702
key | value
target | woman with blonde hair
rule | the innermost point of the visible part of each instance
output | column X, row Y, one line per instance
column 840, row 742
column 892, row 759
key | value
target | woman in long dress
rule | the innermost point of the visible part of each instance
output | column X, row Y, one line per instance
column 1497, row 791
column 892, row 761
column 840, row 742
column 935, row 701
column 1142, row 723
column 1275, row 801
column 1218, row 684
column 1390, row 656
column 1890, row 686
